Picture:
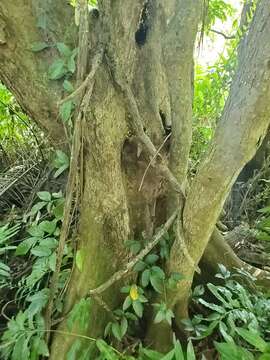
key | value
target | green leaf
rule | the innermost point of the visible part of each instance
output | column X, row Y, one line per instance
column 127, row 303
column 169, row 356
column 143, row 299
column 39, row 269
column 124, row 326
column 223, row 272
column 151, row 354
column 215, row 291
column 160, row 316
column 41, row 251
column 57, row 69
column 60, row 170
column 52, row 261
column 21, row 349
column 134, row 246
column 48, row 226
column 229, row 351
column 139, row 266
column 60, row 159
column 25, row 246
column 145, row 277
column 38, row 301
column 66, row 110
column 125, row 289
column 108, row 329
column 138, row 308
column 253, row 338
column 211, row 306
column 157, row 283
column 157, row 271
column 151, row 259
column 58, row 195
column 39, row 46
column 265, row 210
column 106, row 350
column 223, row 330
column 58, row 211
column 40, row 346
column 214, row 316
column 263, row 236
column 208, row 331
column 4, row 270
column 44, row 195
column 116, row 331
column 37, row 207
column 169, row 315
column 4, row 266
column 71, row 65
column 68, row 86
column 190, row 352
column 64, row 49
column 36, row 231
column 179, row 355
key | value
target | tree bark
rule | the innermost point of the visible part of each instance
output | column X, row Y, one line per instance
column 240, row 132
column 218, row 251
column 24, row 72
column 149, row 52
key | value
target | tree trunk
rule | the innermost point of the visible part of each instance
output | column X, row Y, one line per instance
column 142, row 86
column 240, row 132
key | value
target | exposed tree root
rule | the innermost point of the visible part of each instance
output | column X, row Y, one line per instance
column 219, row 251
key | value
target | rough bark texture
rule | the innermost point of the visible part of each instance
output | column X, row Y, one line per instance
column 218, row 251
column 24, row 72
column 239, row 133
column 149, row 47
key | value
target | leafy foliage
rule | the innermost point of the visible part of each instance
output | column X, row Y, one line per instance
column 18, row 135
column 25, row 332
column 211, row 88
column 237, row 316
column 23, row 340
column 7, row 232
column 218, row 9
column 234, row 311
column 263, row 225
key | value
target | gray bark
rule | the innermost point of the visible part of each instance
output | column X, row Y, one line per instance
column 240, row 132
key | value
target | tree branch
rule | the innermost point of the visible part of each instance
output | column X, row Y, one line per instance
column 243, row 125
column 227, row 37
column 22, row 70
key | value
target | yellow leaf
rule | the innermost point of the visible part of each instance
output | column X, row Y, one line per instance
column 133, row 293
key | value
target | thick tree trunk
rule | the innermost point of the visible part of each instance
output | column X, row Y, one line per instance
column 113, row 208
column 240, row 132
column 145, row 76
